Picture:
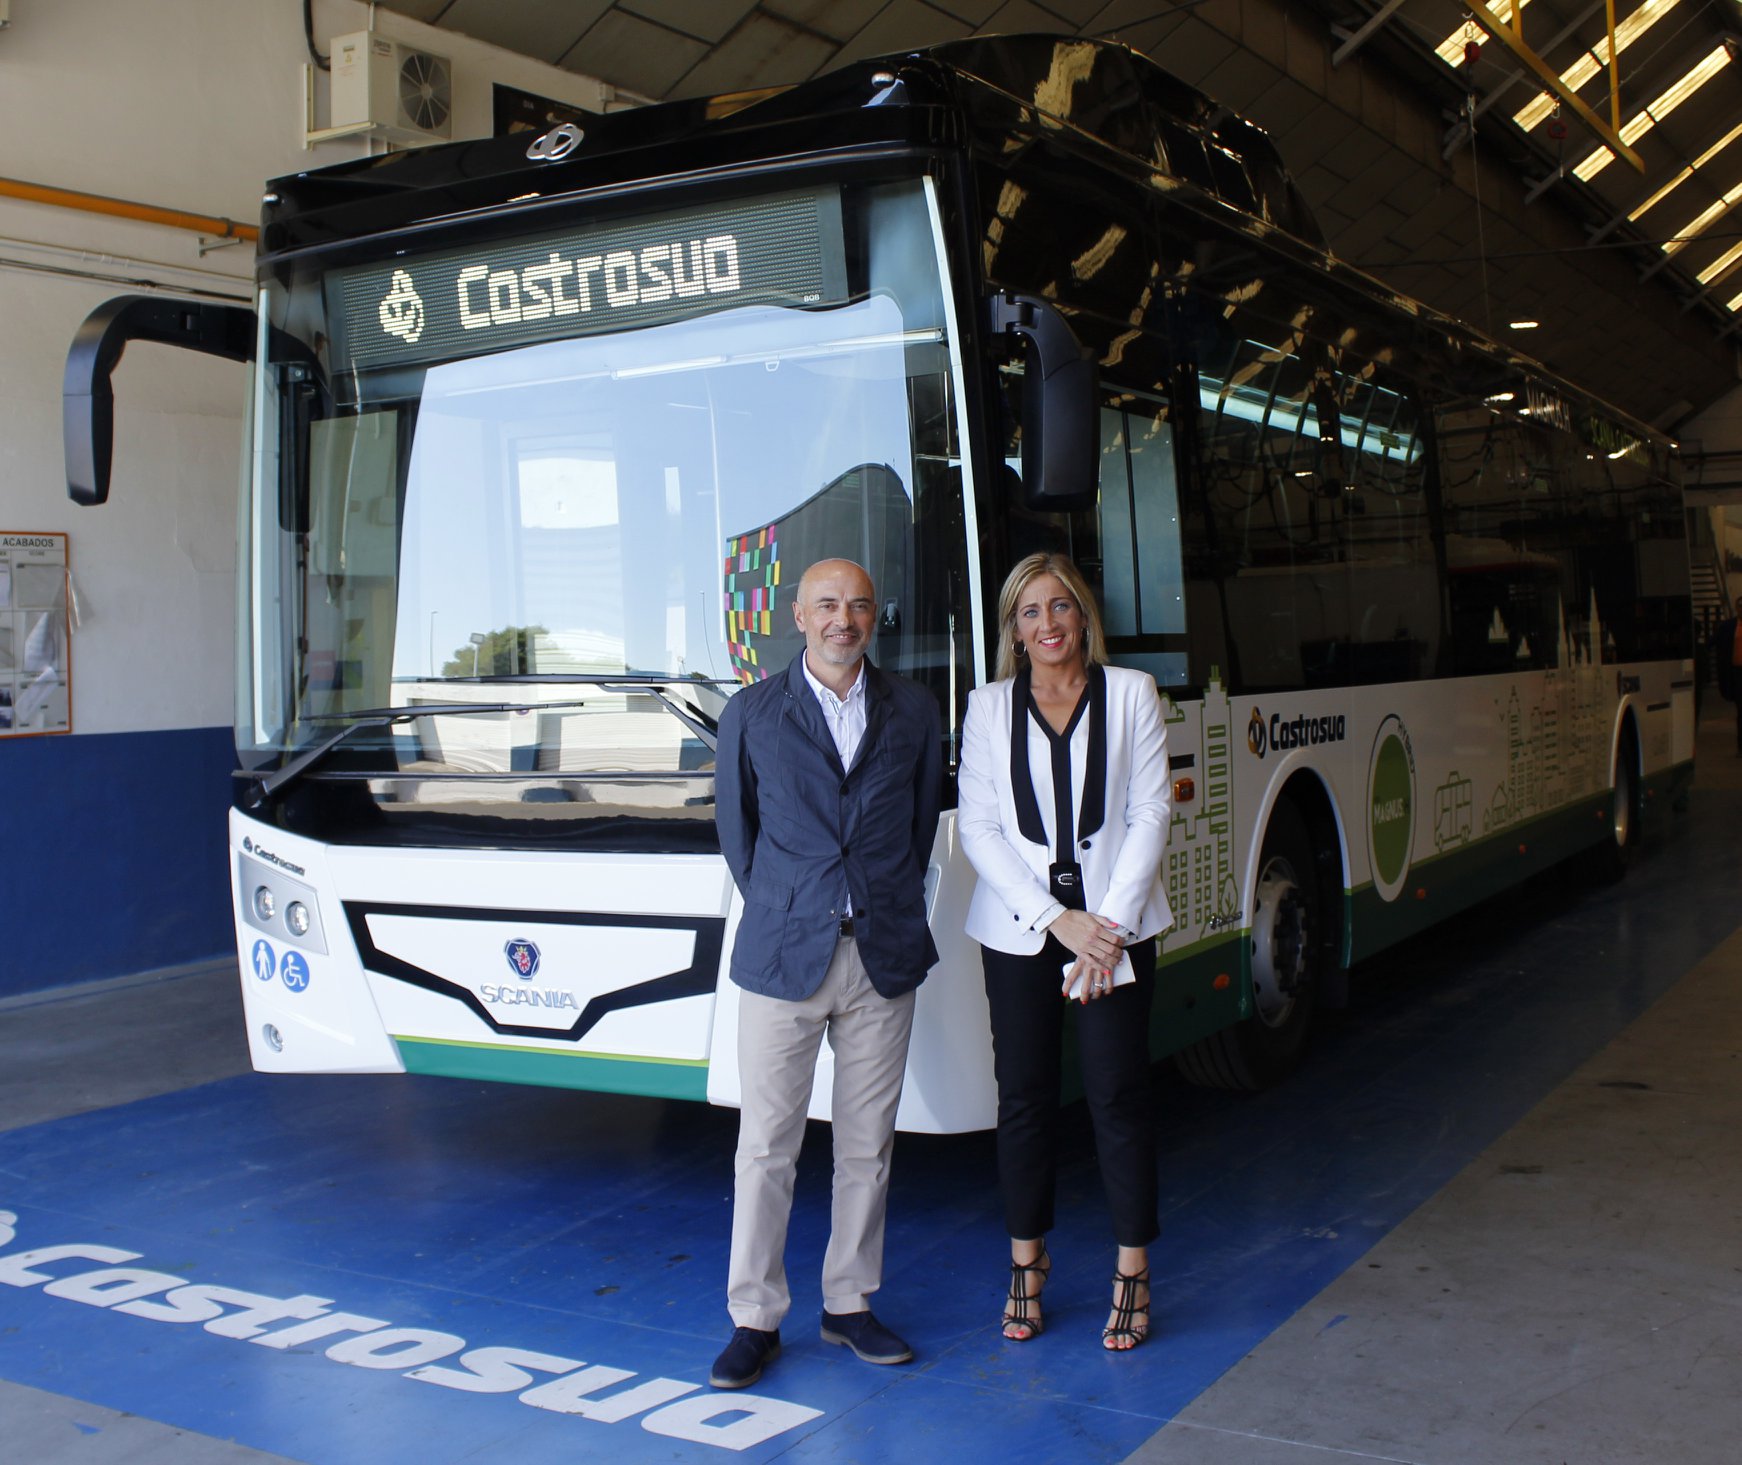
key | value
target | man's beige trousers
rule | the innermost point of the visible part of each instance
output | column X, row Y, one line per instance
column 777, row 1054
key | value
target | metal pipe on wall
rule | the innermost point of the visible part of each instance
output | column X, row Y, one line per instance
column 120, row 208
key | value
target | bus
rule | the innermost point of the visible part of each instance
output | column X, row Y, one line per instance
column 540, row 438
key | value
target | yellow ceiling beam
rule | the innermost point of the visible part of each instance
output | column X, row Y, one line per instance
column 1512, row 37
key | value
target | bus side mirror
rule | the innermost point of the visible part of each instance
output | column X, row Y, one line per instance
column 1061, row 446
column 88, row 404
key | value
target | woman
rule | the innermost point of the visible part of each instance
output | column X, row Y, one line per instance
column 1063, row 810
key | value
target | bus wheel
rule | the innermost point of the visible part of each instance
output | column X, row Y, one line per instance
column 1287, row 957
column 1614, row 853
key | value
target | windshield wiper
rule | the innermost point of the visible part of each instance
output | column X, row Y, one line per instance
column 375, row 718
column 379, row 717
column 654, row 684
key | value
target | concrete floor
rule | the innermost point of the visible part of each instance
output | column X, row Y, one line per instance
column 1495, row 1219
column 1575, row 1294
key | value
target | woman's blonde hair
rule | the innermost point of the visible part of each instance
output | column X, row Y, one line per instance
column 1018, row 580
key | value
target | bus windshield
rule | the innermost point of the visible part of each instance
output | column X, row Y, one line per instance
column 611, row 521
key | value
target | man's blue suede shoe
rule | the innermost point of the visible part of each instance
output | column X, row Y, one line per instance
column 867, row 1337
column 740, row 1362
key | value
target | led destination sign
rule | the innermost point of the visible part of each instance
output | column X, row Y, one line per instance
column 461, row 302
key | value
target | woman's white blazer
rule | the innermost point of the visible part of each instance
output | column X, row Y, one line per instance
column 1121, row 861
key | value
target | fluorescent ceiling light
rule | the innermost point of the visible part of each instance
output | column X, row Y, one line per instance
column 1721, row 265
column 1522, row 325
column 1596, row 59
column 1704, row 221
column 1681, row 178
column 1656, row 110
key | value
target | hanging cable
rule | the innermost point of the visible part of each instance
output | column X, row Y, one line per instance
column 308, row 34
column 1481, row 231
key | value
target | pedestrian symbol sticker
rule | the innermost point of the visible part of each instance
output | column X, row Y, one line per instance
column 295, row 971
column 265, row 961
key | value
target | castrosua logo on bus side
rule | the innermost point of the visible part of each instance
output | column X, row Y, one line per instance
column 1297, row 732
column 1391, row 806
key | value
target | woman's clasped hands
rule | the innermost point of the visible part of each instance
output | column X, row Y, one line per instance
column 1095, row 941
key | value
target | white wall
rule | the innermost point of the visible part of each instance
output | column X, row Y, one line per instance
column 189, row 105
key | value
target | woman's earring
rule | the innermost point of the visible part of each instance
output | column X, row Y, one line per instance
column 1021, row 650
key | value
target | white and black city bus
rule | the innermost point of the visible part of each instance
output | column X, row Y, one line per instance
column 541, row 438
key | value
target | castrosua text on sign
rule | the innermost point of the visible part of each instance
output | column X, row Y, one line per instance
column 619, row 275
column 597, row 1392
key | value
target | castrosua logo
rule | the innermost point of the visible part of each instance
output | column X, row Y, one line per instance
column 1391, row 807
column 675, row 1409
column 1300, row 731
column 402, row 308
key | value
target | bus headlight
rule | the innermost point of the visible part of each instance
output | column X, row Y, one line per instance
column 265, row 904
column 296, row 918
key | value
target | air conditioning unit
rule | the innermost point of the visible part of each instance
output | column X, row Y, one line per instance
column 380, row 83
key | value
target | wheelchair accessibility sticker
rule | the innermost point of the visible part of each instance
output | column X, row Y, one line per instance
column 294, row 971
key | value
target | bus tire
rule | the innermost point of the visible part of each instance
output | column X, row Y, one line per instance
column 1612, row 856
column 1288, row 953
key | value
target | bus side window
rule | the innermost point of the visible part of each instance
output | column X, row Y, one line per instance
column 1542, row 488
column 1394, row 599
column 1626, row 571
column 1504, row 585
column 1265, row 484
column 1142, row 584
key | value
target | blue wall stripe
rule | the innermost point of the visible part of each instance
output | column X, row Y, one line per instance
column 112, row 854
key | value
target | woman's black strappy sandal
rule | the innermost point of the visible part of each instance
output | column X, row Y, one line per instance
column 1130, row 1325
column 1022, row 1309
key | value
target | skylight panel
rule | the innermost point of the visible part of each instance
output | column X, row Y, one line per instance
column 1656, row 110
column 1682, row 177
column 1721, row 265
column 1706, row 219
column 1596, row 59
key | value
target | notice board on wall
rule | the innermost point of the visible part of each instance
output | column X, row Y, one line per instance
column 35, row 640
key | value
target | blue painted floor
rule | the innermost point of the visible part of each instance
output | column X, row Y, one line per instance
column 550, row 1227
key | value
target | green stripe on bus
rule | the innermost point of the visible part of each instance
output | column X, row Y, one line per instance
column 659, row 1078
column 1455, row 879
column 1188, row 1004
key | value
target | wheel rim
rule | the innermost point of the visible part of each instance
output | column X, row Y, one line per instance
column 1280, row 930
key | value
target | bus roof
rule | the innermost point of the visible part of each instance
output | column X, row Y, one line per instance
column 982, row 94
column 1107, row 93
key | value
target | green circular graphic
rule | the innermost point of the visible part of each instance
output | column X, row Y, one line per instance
column 1391, row 812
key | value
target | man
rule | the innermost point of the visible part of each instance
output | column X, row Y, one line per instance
column 827, row 805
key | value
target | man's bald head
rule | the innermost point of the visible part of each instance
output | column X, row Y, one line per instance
column 826, row 571
column 836, row 607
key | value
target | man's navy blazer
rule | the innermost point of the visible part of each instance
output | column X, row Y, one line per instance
column 800, row 832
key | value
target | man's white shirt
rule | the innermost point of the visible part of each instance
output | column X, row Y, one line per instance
column 845, row 717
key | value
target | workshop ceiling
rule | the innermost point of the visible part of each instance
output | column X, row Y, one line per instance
column 1635, row 278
